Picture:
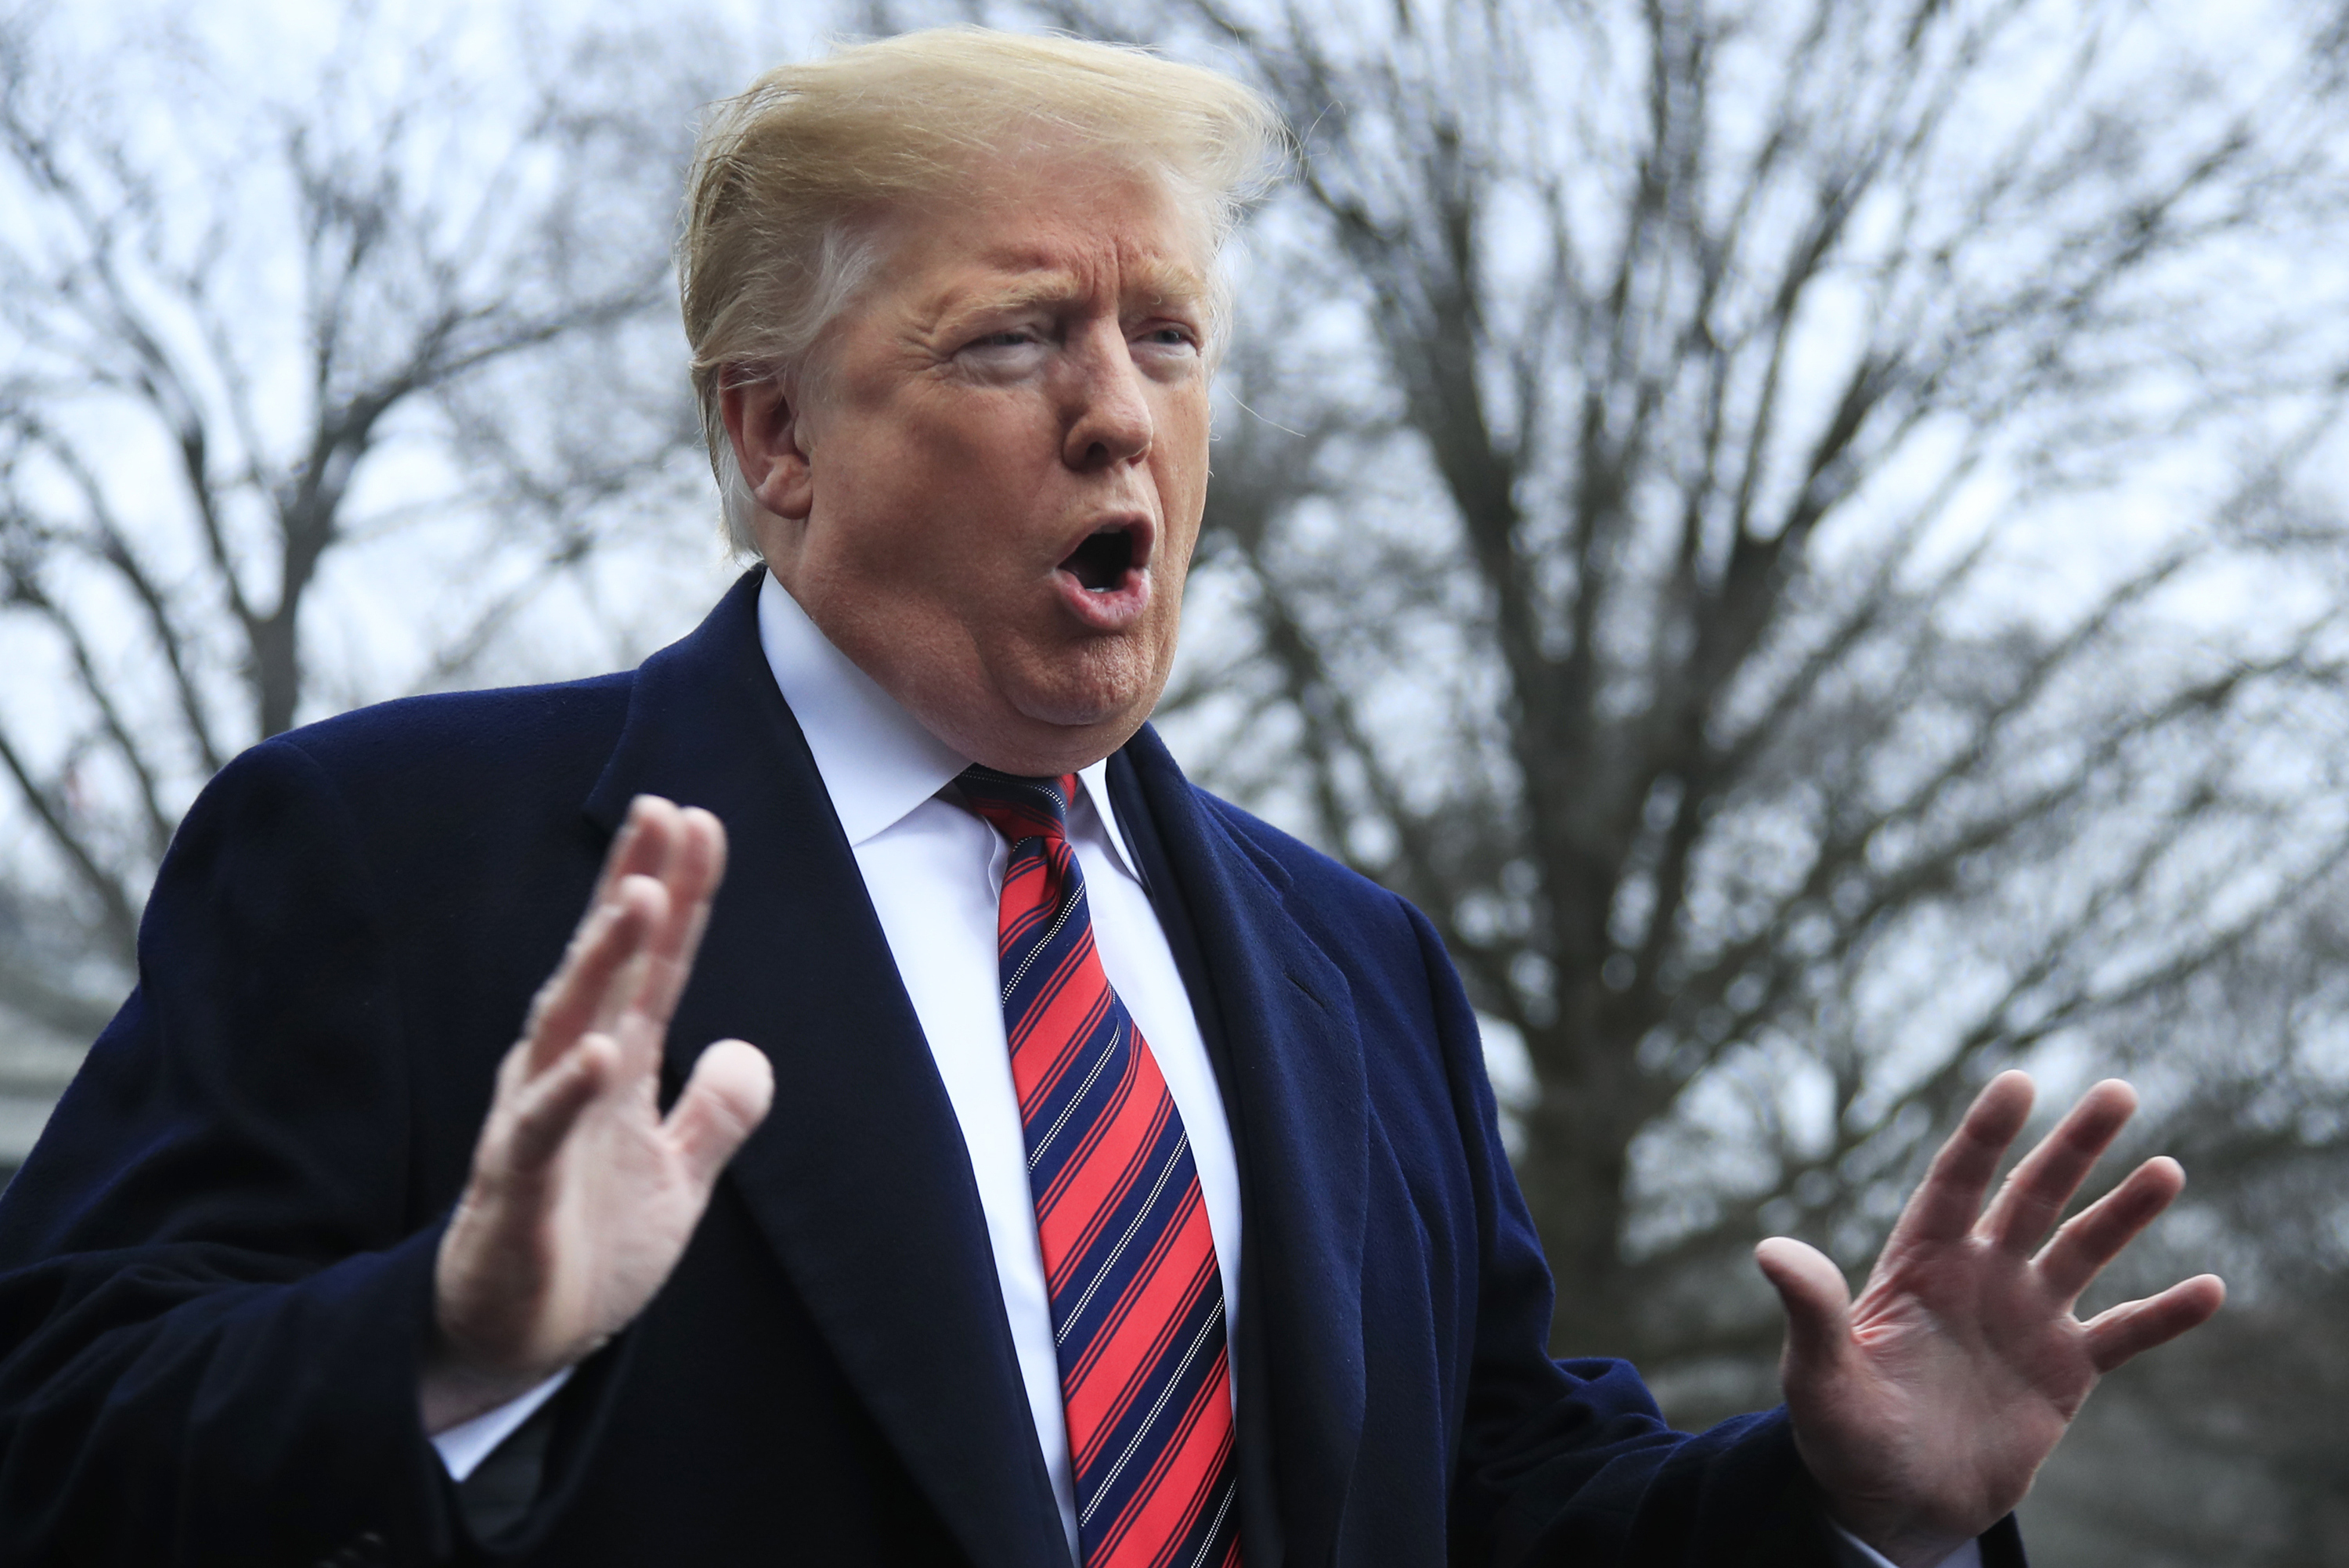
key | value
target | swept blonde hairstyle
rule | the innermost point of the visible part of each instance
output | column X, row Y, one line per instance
column 788, row 175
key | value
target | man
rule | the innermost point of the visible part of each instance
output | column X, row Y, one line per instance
column 1105, row 1176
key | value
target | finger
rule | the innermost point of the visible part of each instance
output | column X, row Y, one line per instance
column 550, row 1106
column 592, row 970
column 708, row 835
column 640, row 847
column 724, row 1101
column 2095, row 1236
column 2137, row 1327
column 696, row 865
column 2039, row 1187
column 1818, row 1303
column 1948, row 1200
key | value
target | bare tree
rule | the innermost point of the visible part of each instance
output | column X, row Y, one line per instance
column 306, row 391
column 1783, row 528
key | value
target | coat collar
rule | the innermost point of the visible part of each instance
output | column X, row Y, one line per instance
column 859, row 1179
column 1294, row 1086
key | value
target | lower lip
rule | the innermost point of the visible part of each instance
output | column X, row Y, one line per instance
column 1116, row 609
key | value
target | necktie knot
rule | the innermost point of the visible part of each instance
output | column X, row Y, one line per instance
column 1019, row 808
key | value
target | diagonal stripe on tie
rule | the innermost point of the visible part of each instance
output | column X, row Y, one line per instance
column 1137, row 1300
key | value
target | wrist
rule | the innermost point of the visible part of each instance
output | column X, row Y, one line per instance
column 490, row 1343
column 1904, row 1544
column 451, row 1391
column 1913, row 1515
column 456, row 1385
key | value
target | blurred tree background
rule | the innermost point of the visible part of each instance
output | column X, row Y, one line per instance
column 1805, row 534
column 337, row 361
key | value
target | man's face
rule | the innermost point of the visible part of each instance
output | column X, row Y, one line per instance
column 989, row 497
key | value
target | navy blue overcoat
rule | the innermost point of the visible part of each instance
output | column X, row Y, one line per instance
column 215, row 1271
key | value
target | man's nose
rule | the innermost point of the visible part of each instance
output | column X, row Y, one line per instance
column 1109, row 419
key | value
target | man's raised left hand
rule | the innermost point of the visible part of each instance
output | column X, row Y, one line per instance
column 1924, row 1408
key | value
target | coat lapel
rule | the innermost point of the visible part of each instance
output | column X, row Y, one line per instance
column 1294, row 1090
column 859, row 1176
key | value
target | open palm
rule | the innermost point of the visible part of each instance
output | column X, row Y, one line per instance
column 1924, row 1408
column 583, row 1195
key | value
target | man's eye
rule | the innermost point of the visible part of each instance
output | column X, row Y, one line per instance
column 1009, row 338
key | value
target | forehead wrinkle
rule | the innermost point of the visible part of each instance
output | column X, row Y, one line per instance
column 1156, row 280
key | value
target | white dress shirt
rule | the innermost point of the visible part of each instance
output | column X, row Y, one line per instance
column 935, row 874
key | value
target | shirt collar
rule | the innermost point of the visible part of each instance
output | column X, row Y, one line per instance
column 876, row 761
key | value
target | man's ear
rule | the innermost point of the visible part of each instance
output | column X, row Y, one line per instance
column 763, row 421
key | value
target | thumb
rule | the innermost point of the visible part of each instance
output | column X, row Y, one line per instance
column 724, row 1101
column 1818, row 1303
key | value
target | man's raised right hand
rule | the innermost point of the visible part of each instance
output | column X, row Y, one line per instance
column 583, row 1195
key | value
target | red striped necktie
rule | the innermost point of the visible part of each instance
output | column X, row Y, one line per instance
column 1137, row 1301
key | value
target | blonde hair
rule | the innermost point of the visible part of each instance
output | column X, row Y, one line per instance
column 788, row 175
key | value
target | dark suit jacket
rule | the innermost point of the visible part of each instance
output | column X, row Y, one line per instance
column 218, row 1263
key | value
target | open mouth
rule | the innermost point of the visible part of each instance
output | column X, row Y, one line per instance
column 1101, row 563
column 1104, row 581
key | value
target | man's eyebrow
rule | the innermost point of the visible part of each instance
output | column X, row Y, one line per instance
column 1170, row 283
column 1028, row 289
column 1158, row 282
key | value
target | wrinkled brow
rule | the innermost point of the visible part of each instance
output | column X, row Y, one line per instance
column 1153, row 282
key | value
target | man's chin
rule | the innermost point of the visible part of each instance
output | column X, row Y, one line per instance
column 1081, row 685
column 1038, row 712
column 1030, row 733
column 1071, row 739
column 1076, row 711
column 1055, row 729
